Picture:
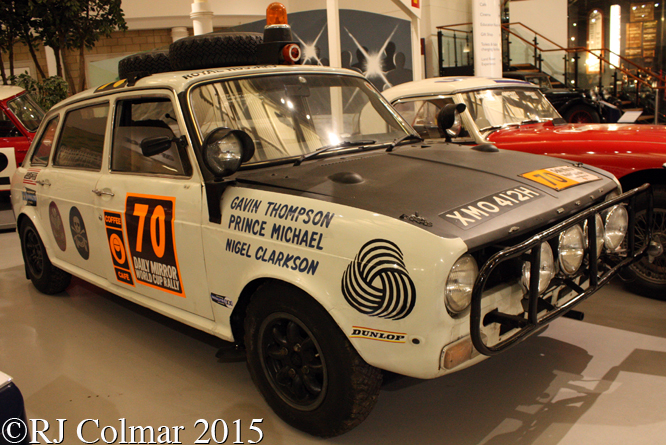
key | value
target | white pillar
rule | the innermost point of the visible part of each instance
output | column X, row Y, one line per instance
column 333, row 19
column 51, row 64
column 413, row 11
column 417, row 59
column 487, row 32
column 202, row 17
column 178, row 33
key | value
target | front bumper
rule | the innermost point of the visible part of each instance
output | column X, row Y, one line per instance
column 537, row 310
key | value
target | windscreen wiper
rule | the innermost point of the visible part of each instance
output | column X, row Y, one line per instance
column 407, row 137
column 325, row 148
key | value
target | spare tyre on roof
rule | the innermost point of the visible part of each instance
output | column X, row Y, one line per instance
column 216, row 49
column 151, row 62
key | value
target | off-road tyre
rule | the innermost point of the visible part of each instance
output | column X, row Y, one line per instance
column 294, row 347
column 215, row 49
column 645, row 278
column 151, row 62
column 47, row 278
column 582, row 114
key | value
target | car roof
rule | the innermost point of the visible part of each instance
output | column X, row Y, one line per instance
column 450, row 85
column 181, row 80
column 7, row 91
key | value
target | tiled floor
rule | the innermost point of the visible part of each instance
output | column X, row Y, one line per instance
column 86, row 354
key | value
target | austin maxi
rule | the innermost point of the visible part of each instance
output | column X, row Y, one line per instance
column 291, row 210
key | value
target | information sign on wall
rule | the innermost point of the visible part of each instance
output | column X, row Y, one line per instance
column 487, row 34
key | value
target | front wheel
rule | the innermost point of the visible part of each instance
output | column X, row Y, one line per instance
column 45, row 276
column 304, row 366
column 649, row 278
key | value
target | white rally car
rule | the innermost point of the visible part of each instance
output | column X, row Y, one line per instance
column 291, row 210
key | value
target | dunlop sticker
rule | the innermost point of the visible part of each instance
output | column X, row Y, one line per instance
column 376, row 334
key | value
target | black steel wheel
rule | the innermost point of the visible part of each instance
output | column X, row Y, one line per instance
column 45, row 276
column 292, row 360
column 649, row 278
column 303, row 364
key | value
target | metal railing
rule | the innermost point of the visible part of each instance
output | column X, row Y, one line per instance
column 522, row 44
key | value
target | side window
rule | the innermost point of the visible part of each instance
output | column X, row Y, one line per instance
column 81, row 141
column 43, row 148
column 139, row 119
column 7, row 127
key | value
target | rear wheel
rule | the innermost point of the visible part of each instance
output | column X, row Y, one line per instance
column 649, row 278
column 45, row 276
column 304, row 366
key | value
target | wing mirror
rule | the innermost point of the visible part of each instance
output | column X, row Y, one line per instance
column 449, row 121
column 224, row 150
column 155, row 145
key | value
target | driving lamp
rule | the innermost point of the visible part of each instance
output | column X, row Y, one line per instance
column 617, row 222
column 599, row 224
column 459, row 285
column 224, row 155
column 546, row 269
column 571, row 249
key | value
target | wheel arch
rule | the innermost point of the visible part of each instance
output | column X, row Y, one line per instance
column 237, row 319
column 638, row 178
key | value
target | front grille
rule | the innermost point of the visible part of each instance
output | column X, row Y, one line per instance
column 504, row 267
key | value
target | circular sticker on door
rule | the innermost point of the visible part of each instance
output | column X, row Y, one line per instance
column 57, row 227
column 79, row 234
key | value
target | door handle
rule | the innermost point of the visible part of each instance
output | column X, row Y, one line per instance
column 44, row 182
column 102, row 192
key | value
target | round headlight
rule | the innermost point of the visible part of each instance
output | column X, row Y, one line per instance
column 546, row 268
column 459, row 285
column 617, row 222
column 599, row 224
column 571, row 249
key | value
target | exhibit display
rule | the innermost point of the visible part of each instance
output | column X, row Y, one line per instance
column 514, row 115
column 291, row 210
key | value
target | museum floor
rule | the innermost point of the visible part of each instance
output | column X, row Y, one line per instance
column 86, row 354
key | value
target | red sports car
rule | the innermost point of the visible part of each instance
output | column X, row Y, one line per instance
column 513, row 114
column 20, row 116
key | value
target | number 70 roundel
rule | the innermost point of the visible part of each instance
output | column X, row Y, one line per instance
column 149, row 222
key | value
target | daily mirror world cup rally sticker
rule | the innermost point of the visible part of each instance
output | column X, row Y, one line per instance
column 149, row 222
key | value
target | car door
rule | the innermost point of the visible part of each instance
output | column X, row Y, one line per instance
column 151, row 206
column 65, row 201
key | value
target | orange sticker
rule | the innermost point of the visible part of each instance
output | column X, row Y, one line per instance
column 560, row 178
column 152, row 243
column 114, row 232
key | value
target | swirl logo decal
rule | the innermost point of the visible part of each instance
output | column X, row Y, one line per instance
column 377, row 284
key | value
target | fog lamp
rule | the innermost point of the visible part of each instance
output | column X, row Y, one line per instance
column 617, row 222
column 571, row 249
column 546, row 269
column 599, row 224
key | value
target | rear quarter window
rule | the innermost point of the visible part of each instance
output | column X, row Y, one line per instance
column 81, row 141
